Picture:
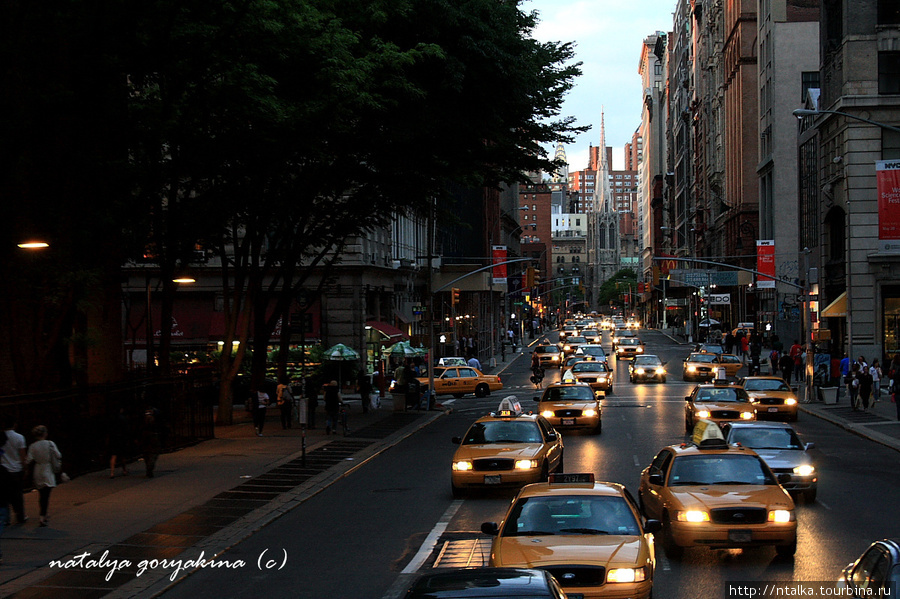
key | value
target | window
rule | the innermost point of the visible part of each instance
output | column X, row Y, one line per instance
column 525, row 217
column 534, row 206
column 577, row 222
column 889, row 72
column 808, row 79
column 888, row 12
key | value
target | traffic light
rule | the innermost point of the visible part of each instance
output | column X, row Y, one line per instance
column 454, row 296
column 537, row 277
column 529, row 277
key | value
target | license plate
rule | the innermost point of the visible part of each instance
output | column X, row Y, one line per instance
column 568, row 421
column 575, row 595
column 773, row 409
column 492, row 479
column 739, row 536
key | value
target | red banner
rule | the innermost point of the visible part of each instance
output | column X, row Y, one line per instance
column 498, row 254
column 888, row 181
column 765, row 263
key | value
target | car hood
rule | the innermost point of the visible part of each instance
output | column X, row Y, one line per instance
column 554, row 405
column 740, row 406
column 783, row 458
column 713, row 496
column 780, row 394
column 548, row 550
column 510, row 451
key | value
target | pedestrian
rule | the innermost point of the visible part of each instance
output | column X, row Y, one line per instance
column 284, row 399
column 259, row 409
column 46, row 463
column 332, row 407
column 775, row 362
column 365, row 389
column 877, row 375
column 119, row 442
column 151, row 439
column 5, row 496
column 795, row 353
column 13, row 471
column 787, row 367
column 739, row 345
column 755, row 348
column 894, row 373
column 862, row 362
column 537, row 372
column 729, row 342
column 865, row 387
column 474, row 363
column 312, row 397
column 852, row 382
column 845, row 365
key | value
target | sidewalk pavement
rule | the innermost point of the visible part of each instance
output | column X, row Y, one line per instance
column 205, row 497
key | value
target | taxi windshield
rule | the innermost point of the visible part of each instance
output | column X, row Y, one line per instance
column 592, row 351
column 630, row 341
column 702, row 358
column 765, row 385
column 546, row 349
column 589, row 367
column 647, row 361
column 571, row 515
column 765, row 438
column 574, row 392
column 719, row 469
column 503, row 431
column 721, row 394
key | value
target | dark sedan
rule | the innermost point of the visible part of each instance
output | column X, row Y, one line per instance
column 497, row 583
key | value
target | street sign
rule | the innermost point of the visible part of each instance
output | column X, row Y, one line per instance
column 720, row 298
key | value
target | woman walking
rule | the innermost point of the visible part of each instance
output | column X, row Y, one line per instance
column 47, row 462
column 877, row 375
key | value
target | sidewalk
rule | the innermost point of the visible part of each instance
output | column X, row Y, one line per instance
column 878, row 424
column 206, row 497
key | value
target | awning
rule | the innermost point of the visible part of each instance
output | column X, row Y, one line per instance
column 388, row 330
column 837, row 308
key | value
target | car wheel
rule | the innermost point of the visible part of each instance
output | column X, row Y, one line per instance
column 545, row 472
column 663, row 380
column 560, row 468
column 787, row 551
column 482, row 390
column 631, row 379
column 792, row 418
column 641, row 505
column 809, row 495
column 610, row 390
column 458, row 395
column 599, row 428
column 672, row 550
column 458, row 493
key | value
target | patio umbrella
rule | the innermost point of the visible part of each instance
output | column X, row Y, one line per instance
column 341, row 353
column 708, row 322
column 402, row 349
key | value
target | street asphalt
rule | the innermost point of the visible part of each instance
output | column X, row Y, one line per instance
column 210, row 496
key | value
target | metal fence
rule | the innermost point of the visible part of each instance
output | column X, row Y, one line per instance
column 80, row 421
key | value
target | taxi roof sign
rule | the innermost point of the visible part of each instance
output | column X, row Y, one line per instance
column 509, row 406
column 707, row 434
column 568, row 377
column 575, row 477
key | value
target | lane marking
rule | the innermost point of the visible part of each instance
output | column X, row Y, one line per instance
column 636, row 462
column 823, row 504
column 431, row 540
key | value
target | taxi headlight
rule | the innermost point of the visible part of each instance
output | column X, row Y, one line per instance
column 660, row 370
column 703, row 414
column 547, row 414
column 462, row 466
column 639, row 349
column 639, row 371
column 566, row 348
column 790, row 401
column 555, row 358
column 781, row 516
column 746, row 415
column 805, row 470
column 626, row 575
column 590, row 412
column 526, row 464
column 693, row 516
column 692, row 369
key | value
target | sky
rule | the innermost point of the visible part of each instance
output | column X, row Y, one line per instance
column 608, row 36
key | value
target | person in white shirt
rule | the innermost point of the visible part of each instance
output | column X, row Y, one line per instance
column 13, row 462
column 474, row 363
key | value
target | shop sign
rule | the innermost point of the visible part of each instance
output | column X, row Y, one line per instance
column 765, row 263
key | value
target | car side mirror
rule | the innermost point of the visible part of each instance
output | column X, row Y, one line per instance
column 490, row 528
column 655, row 479
column 652, row 526
column 810, row 446
column 784, row 478
column 552, row 436
column 456, row 440
column 687, row 398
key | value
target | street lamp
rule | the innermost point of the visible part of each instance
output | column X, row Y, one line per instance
column 805, row 112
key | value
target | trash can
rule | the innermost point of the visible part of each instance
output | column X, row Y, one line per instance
column 828, row 395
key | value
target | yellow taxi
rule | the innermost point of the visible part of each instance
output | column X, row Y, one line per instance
column 571, row 404
column 589, row 535
column 506, row 448
column 595, row 373
column 719, row 402
column 710, row 494
column 459, row 380
column 549, row 355
column 771, row 397
column 567, row 331
column 572, row 343
column 629, row 347
column 702, row 366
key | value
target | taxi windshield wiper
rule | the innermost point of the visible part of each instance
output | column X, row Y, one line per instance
column 733, row 482
column 585, row 531
column 534, row 533
column 689, row 482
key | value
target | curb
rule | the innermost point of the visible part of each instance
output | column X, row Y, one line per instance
column 860, row 430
